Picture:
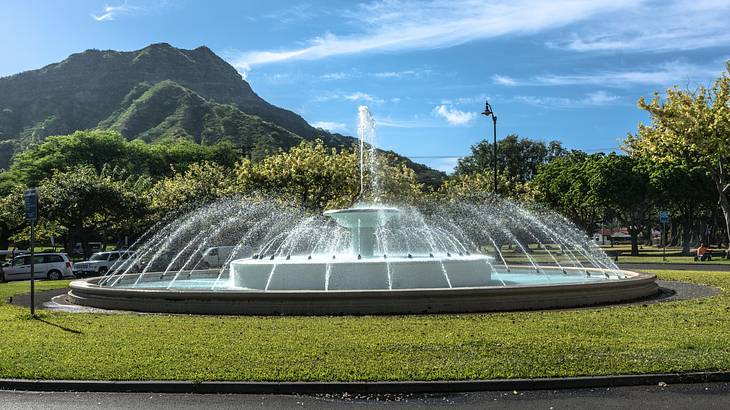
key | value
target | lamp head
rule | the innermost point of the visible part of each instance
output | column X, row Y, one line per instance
column 487, row 109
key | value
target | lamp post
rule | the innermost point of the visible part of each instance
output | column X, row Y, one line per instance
column 487, row 112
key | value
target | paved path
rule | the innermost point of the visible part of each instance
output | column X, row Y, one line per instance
column 687, row 396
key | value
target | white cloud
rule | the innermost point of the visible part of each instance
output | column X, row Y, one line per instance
column 396, row 74
column 503, row 80
column 454, row 116
column 665, row 74
column 380, row 75
column 387, row 122
column 331, row 126
column 654, row 26
column 594, row 99
column 365, row 97
column 291, row 14
column 357, row 96
column 109, row 13
column 334, row 76
column 473, row 99
column 398, row 25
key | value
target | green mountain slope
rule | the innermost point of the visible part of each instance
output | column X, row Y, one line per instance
column 169, row 110
column 156, row 92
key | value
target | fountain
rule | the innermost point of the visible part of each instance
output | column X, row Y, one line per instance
column 372, row 258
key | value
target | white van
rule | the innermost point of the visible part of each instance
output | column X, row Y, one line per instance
column 93, row 247
column 46, row 266
column 216, row 256
column 102, row 262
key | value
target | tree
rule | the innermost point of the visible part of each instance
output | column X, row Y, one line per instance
column 310, row 175
column 478, row 186
column 686, row 192
column 692, row 128
column 85, row 203
column 201, row 183
column 319, row 178
column 622, row 184
column 517, row 158
column 100, row 149
column 11, row 215
column 564, row 185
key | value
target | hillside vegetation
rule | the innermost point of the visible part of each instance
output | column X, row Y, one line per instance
column 156, row 93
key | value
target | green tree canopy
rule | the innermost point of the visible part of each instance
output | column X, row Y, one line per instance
column 478, row 186
column 687, row 192
column 517, row 158
column 201, row 183
column 691, row 128
column 85, row 203
column 100, row 149
column 319, row 178
column 11, row 215
column 564, row 185
column 622, row 184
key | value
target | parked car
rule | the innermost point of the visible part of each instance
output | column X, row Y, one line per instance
column 46, row 266
column 216, row 256
column 10, row 254
column 93, row 246
column 102, row 262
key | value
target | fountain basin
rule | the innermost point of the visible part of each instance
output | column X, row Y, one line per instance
column 321, row 273
column 573, row 290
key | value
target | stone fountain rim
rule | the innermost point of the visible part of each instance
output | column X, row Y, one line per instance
column 630, row 276
column 365, row 302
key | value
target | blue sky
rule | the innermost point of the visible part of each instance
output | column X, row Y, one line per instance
column 565, row 69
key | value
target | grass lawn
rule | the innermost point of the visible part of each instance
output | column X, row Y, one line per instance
column 664, row 337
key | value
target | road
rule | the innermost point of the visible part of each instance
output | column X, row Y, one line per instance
column 685, row 396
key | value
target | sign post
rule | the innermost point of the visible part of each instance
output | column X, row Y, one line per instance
column 31, row 215
column 664, row 219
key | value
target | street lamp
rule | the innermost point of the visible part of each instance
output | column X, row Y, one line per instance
column 487, row 112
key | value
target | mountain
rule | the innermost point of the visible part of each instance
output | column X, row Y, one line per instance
column 156, row 92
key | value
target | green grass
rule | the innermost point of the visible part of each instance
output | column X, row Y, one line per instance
column 665, row 337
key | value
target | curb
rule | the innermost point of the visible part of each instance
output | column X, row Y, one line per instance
column 360, row 387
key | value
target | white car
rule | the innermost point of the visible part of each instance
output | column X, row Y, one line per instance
column 216, row 256
column 102, row 262
column 46, row 266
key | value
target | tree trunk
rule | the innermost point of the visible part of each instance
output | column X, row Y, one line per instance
column 634, row 242
column 4, row 240
column 725, row 205
column 722, row 190
column 686, row 237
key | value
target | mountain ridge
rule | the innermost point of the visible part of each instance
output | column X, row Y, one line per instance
column 195, row 94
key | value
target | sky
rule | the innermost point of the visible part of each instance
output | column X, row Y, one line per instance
column 569, row 70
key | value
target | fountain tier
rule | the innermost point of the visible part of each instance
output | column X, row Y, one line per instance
column 362, row 222
column 360, row 269
column 368, row 274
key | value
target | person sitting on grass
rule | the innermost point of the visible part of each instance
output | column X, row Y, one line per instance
column 703, row 253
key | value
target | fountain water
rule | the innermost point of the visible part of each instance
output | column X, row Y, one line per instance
column 371, row 258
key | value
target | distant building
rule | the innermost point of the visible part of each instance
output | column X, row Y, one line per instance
column 610, row 236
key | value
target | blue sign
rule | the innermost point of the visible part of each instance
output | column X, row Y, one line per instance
column 31, row 204
column 664, row 217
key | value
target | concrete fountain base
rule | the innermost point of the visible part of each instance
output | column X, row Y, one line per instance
column 634, row 286
column 365, row 274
